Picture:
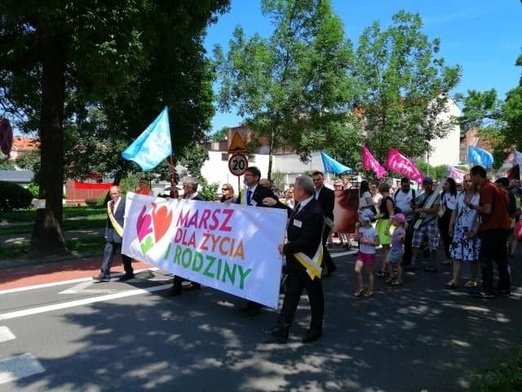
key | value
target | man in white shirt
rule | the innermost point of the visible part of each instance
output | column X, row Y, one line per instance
column 404, row 199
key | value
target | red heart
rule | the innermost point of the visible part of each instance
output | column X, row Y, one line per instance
column 161, row 220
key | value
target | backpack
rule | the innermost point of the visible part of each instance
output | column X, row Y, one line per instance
column 397, row 210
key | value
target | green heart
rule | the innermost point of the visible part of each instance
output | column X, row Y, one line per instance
column 147, row 244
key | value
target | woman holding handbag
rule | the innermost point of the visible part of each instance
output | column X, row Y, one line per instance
column 463, row 226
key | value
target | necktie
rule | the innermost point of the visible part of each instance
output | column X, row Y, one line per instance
column 249, row 196
column 112, row 207
column 297, row 208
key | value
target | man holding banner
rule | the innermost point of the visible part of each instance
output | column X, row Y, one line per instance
column 303, row 252
column 113, row 237
column 253, row 195
column 190, row 189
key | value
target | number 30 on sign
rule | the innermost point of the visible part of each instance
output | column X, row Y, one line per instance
column 237, row 164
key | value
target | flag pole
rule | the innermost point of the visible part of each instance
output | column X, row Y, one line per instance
column 173, row 188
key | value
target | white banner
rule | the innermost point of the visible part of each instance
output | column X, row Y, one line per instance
column 232, row 248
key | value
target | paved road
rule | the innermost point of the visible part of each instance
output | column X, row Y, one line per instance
column 413, row 338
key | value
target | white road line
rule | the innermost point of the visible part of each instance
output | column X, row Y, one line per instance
column 14, row 368
column 63, row 282
column 349, row 252
column 6, row 334
column 85, row 301
column 82, row 289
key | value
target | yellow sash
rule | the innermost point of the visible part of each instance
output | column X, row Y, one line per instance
column 312, row 265
column 115, row 224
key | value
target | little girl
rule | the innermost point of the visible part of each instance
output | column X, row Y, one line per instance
column 368, row 240
column 397, row 248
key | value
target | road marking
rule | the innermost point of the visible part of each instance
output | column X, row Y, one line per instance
column 6, row 334
column 82, row 289
column 14, row 368
column 63, row 282
column 80, row 302
column 349, row 252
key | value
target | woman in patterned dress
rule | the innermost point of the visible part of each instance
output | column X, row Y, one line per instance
column 464, row 225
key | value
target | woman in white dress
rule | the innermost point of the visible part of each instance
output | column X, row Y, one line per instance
column 464, row 225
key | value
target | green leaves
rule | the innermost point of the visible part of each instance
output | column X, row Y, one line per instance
column 403, row 86
column 292, row 86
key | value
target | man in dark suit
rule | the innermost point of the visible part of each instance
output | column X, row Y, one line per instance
column 326, row 199
column 253, row 195
column 190, row 189
column 303, row 259
column 113, row 237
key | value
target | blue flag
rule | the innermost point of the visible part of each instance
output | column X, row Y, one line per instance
column 153, row 145
column 479, row 156
column 332, row 166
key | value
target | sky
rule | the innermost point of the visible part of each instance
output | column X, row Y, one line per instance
column 484, row 37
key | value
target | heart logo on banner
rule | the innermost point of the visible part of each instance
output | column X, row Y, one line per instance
column 161, row 220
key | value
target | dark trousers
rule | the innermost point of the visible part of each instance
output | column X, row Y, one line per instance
column 493, row 247
column 327, row 258
column 297, row 280
column 111, row 249
column 444, row 222
column 406, row 257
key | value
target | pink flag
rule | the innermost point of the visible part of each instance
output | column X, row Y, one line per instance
column 456, row 174
column 515, row 158
column 402, row 165
column 370, row 163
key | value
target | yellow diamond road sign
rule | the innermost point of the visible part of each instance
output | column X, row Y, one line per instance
column 237, row 144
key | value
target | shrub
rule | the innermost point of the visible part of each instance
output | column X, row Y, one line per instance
column 91, row 202
column 14, row 196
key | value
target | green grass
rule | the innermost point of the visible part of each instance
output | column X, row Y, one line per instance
column 75, row 218
column 83, row 246
column 505, row 377
column 29, row 215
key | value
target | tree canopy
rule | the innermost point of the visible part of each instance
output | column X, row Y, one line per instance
column 292, row 87
column 305, row 86
column 403, row 87
column 62, row 60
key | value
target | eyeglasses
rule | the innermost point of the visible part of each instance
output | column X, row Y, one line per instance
column 225, row 189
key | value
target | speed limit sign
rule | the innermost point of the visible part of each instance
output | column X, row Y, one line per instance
column 237, row 164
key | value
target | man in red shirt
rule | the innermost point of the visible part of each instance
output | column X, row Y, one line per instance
column 493, row 233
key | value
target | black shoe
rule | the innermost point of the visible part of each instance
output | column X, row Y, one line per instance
column 482, row 294
column 126, row 277
column 172, row 292
column 312, row 335
column 101, row 278
column 192, row 286
column 250, row 306
column 279, row 334
column 410, row 268
column 505, row 292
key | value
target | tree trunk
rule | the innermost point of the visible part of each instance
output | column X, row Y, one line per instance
column 47, row 235
column 270, row 155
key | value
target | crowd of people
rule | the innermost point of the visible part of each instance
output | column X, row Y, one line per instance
column 474, row 223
